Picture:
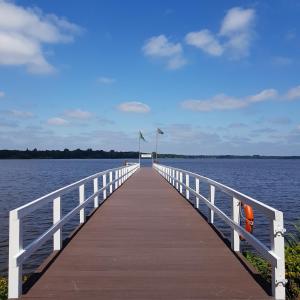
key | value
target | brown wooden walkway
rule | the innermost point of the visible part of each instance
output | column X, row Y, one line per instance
column 146, row 242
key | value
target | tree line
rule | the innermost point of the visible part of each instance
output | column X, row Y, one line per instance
column 90, row 153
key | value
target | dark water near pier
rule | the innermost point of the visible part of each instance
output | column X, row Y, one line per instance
column 272, row 181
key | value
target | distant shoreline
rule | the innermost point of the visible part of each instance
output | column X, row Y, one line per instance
column 101, row 154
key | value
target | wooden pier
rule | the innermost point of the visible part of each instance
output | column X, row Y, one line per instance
column 146, row 242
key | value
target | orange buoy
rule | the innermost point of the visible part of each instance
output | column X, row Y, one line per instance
column 249, row 218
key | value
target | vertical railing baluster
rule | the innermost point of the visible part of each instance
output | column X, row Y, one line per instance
column 104, row 186
column 120, row 177
column 110, row 180
column 96, row 189
column 173, row 179
column 81, row 200
column 57, row 236
column 177, row 178
column 15, row 246
column 212, row 192
column 116, row 179
column 180, row 180
column 187, row 183
column 197, row 189
column 277, row 246
column 235, row 216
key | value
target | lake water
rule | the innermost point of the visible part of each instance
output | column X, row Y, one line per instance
column 272, row 181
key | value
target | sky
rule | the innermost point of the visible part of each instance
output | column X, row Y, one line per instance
column 218, row 77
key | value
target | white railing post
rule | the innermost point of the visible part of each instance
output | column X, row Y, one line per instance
column 173, row 179
column 277, row 246
column 212, row 191
column 15, row 246
column 197, row 189
column 110, row 180
column 235, row 216
column 57, row 236
column 180, row 180
column 187, row 183
column 81, row 200
column 177, row 177
column 104, row 186
column 116, row 179
column 96, row 188
column 120, row 177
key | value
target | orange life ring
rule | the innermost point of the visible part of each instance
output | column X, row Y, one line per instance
column 249, row 218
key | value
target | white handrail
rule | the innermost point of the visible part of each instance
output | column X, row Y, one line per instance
column 17, row 254
column 275, row 255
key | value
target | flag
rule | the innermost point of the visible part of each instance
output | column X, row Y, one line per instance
column 160, row 131
column 142, row 137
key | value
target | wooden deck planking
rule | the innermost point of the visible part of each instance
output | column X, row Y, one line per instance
column 146, row 242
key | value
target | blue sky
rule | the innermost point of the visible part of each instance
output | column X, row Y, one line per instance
column 218, row 77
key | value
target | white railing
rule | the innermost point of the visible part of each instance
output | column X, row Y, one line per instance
column 111, row 179
column 275, row 255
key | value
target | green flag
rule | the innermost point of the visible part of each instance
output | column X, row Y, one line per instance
column 160, row 131
column 142, row 137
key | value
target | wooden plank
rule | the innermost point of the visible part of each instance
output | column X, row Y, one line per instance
column 146, row 242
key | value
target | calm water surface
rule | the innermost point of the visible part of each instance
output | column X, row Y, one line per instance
column 274, row 182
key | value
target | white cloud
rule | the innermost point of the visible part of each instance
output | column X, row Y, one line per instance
column 263, row 95
column 105, row 80
column 206, row 41
column 2, row 94
column 136, row 107
column 161, row 47
column 24, row 31
column 293, row 93
column 218, row 102
column 224, row 102
column 78, row 114
column 237, row 20
column 20, row 114
column 57, row 121
column 234, row 37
